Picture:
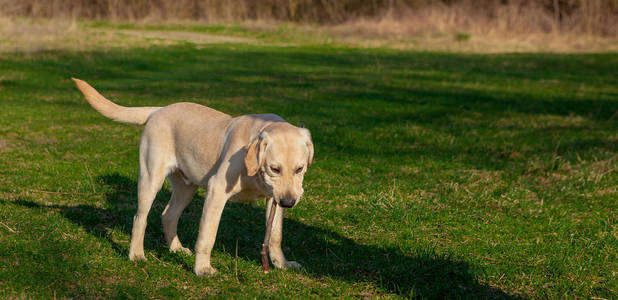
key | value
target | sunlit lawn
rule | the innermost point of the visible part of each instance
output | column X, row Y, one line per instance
column 435, row 174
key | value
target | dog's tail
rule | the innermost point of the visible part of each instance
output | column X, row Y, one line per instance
column 135, row 115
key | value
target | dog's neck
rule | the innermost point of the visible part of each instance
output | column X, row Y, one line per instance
column 260, row 184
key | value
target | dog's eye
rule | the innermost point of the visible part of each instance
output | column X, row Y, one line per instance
column 300, row 169
column 275, row 170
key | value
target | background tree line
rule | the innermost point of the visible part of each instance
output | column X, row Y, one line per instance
column 589, row 16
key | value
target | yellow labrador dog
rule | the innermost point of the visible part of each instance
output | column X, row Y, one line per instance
column 246, row 158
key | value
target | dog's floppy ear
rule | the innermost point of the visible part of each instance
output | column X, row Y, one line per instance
column 309, row 146
column 255, row 157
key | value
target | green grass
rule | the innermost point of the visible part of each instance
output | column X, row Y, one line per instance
column 436, row 175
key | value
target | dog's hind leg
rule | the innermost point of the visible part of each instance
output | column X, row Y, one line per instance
column 182, row 193
column 152, row 173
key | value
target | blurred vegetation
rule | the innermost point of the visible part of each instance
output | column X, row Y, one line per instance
column 597, row 17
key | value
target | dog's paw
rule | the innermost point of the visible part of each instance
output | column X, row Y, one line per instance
column 202, row 265
column 288, row 265
column 292, row 265
column 181, row 249
column 137, row 256
column 205, row 271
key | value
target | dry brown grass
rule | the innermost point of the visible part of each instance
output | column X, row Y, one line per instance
column 402, row 35
column 521, row 26
column 460, row 25
column 21, row 35
column 593, row 17
column 33, row 35
column 27, row 35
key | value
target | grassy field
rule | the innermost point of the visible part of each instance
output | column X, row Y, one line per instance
column 435, row 174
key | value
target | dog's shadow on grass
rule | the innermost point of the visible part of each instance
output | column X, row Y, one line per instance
column 322, row 252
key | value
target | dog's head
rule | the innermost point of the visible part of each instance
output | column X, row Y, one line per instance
column 280, row 156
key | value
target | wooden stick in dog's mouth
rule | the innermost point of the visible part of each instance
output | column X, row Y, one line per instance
column 269, row 226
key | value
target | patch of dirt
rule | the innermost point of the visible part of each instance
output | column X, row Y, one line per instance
column 7, row 145
column 44, row 140
column 4, row 145
column 193, row 37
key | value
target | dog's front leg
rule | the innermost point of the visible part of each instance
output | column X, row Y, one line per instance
column 276, row 254
column 216, row 198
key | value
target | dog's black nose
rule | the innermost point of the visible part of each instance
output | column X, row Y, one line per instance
column 287, row 202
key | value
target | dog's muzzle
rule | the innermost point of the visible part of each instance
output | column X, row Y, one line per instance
column 287, row 202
